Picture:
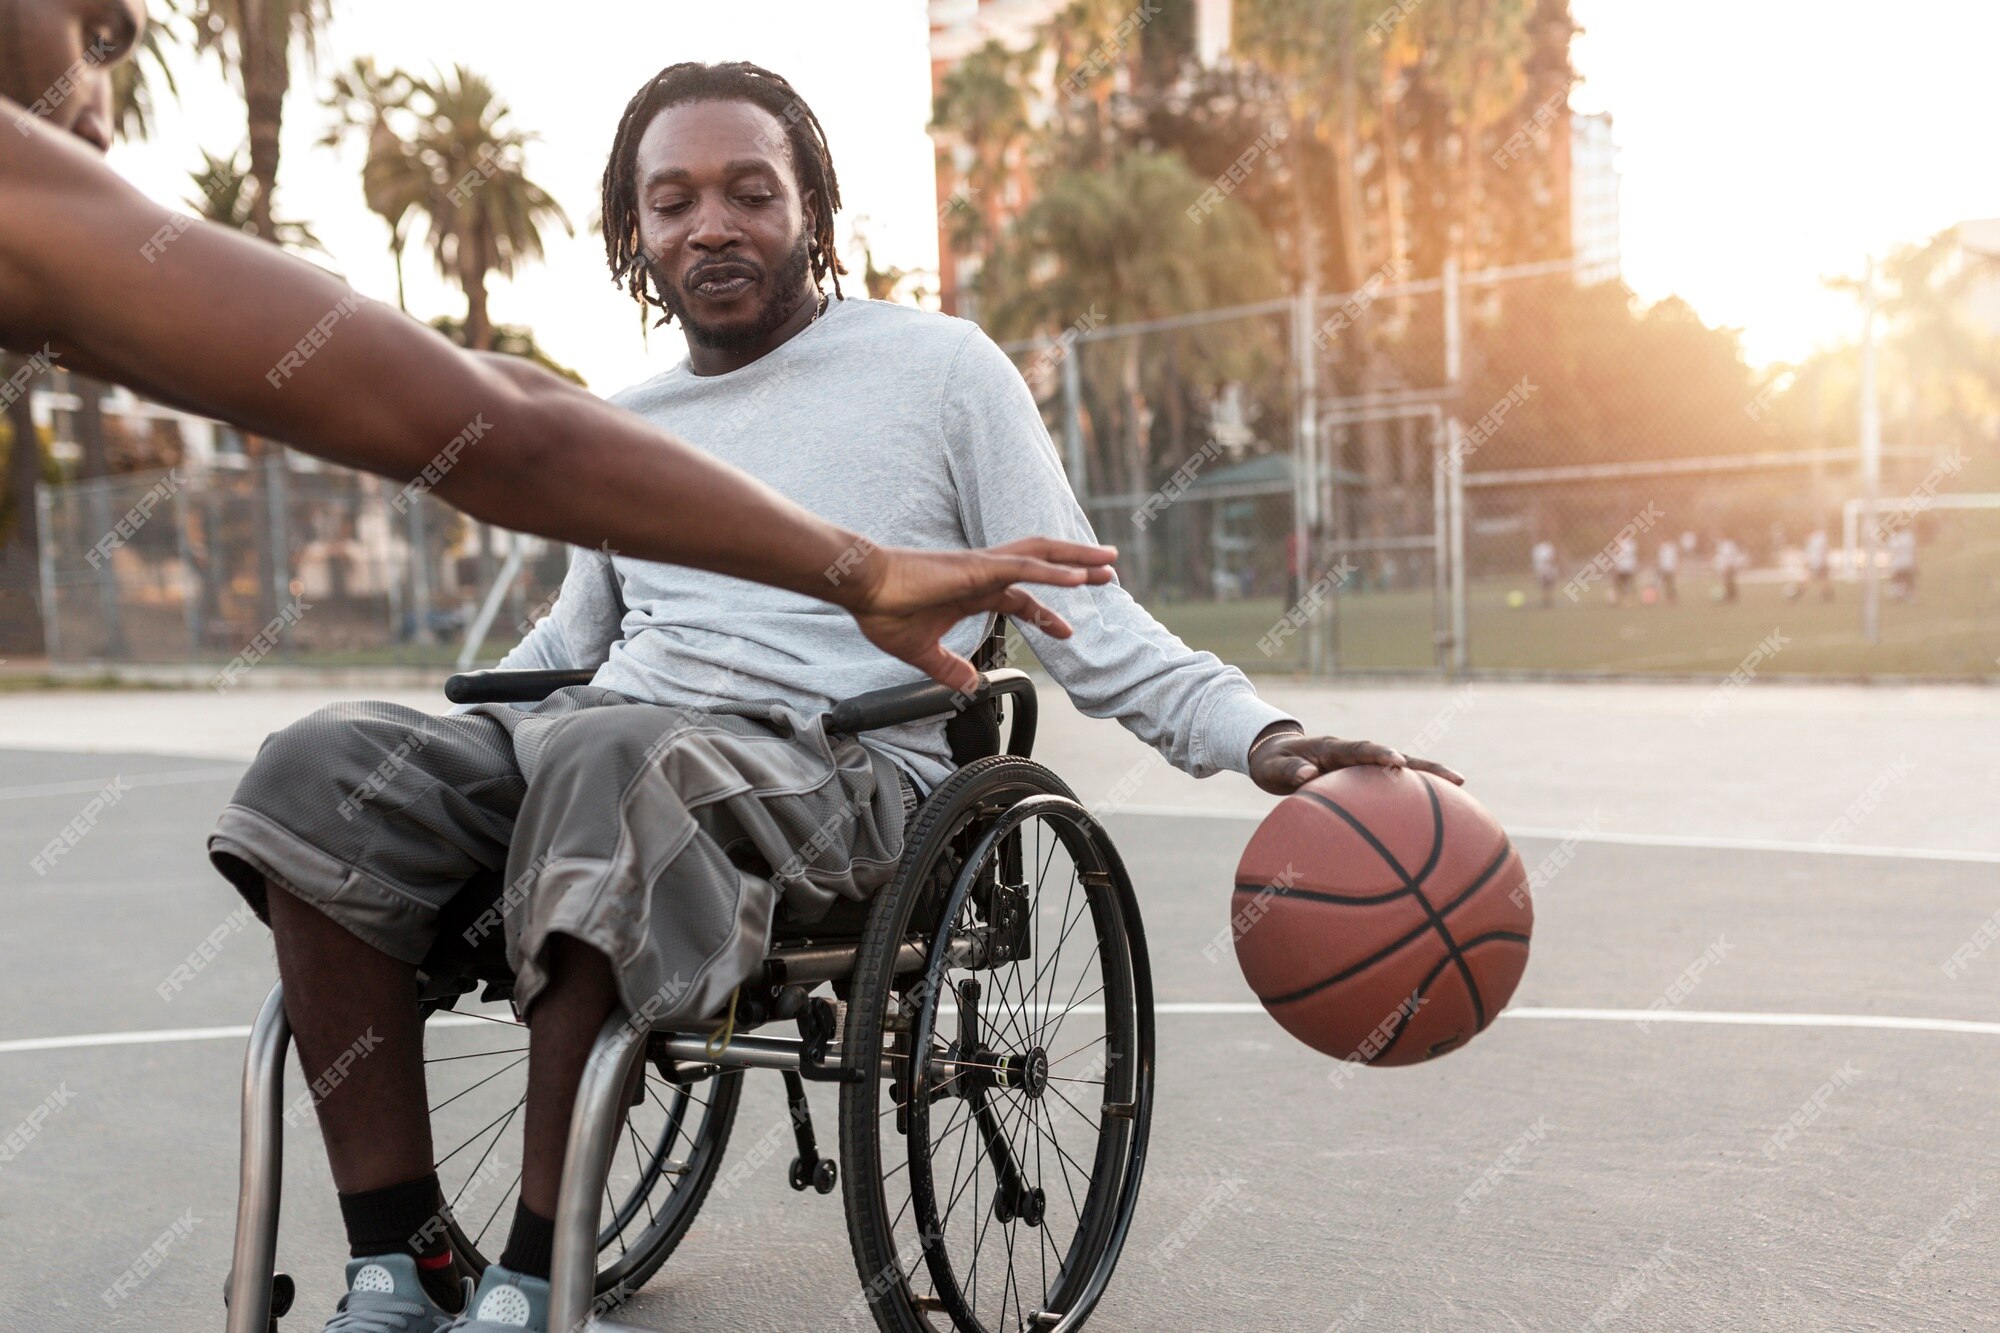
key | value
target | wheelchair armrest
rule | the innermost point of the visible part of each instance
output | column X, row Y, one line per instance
column 926, row 698
column 512, row 687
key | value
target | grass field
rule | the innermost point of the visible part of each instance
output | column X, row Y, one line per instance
column 1952, row 629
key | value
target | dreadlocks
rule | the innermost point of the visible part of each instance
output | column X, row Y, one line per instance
column 733, row 81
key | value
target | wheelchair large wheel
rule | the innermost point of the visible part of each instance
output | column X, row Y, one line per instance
column 991, row 1181
column 673, row 1142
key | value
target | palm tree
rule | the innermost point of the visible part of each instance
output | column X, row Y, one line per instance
column 394, row 184
column 1093, row 244
column 984, row 132
column 253, row 41
column 227, row 195
column 132, row 81
column 484, row 215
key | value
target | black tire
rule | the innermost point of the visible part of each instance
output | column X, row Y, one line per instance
column 653, row 1195
column 974, row 831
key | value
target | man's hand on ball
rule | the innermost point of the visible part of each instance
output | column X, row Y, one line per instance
column 1282, row 761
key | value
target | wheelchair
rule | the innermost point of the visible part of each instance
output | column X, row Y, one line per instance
column 987, row 1019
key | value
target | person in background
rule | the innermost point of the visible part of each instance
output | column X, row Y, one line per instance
column 1903, row 565
column 1544, row 558
column 1624, row 568
column 1819, row 568
column 1669, row 565
column 1729, row 558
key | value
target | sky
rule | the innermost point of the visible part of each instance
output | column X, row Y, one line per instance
column 1765, row 145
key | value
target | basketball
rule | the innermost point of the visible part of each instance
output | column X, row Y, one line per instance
column 1381, row 915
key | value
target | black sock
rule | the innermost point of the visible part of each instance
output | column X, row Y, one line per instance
column 405, row 1219
column 531, row 1244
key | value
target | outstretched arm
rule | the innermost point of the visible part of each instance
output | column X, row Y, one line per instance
column 215, row 322
column 1202, row 714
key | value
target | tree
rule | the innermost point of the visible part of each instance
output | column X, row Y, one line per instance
column 393, row 183
column 253, row 41
column 1092, row 249
column 483, row 213
column 27, row 464
column 227, row 195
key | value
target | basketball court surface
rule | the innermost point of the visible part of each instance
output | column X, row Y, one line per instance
column 1748, row 1081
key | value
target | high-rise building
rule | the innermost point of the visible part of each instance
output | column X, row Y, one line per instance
column 961, row 27
column 958, row 29
column 1593, row 200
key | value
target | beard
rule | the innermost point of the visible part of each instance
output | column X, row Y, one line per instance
column 788, row 282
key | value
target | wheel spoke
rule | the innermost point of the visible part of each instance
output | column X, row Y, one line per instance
column 475, row 1055
column 477, row 1133
column 482, row 1083
column 475, row 1173
column 496, row 1209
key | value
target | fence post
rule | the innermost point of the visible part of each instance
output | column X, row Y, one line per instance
column 1305, row 450
column 1072, row 397
column 1454, row 357
column 1440, row 546
column 278, row 510
column 420, row 573
column 98, row 493
column 192, row 597
column 46, row 559
column 1871, row 466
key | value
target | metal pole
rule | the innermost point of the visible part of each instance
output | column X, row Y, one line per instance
column 1072, row 396
column 1454, row 358
column 46, row 559
column 490, row 608
column 1440, row 546
column 420, row 572
column 191, row 598
column 1871, row 466
column 281, row 537
column 254, row 1254
column 1305, row 454
column 1455, row 501
column 593, row 1134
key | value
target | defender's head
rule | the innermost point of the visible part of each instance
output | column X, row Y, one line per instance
column 719, row 199
column 56, row 58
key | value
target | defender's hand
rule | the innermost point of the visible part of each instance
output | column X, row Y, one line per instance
column 1283, row 761
column 908, row 599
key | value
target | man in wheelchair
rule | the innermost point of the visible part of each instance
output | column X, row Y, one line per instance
column 649, row 827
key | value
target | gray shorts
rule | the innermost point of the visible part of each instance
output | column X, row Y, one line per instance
column 663, row 837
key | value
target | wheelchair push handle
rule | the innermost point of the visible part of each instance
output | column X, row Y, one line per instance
column 898, row 704
column 512, row 687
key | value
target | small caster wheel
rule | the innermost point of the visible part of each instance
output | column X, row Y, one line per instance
column 283, row 1292
column 826, row 1176
column 801, row 1174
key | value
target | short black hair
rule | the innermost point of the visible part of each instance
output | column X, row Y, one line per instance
column 730, row 81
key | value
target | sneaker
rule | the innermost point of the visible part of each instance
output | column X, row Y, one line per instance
column 505, row 1300
column 385, row 1295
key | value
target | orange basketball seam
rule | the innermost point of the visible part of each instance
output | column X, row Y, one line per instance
column 1416, row 886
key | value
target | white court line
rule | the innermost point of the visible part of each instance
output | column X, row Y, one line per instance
column 1633, row 839
column 1890, row 1022
column 90, row 786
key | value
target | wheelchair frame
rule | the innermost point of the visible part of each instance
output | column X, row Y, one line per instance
column 256, row 1295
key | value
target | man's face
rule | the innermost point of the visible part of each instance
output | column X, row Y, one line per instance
column 58, row 57
column 722, row 222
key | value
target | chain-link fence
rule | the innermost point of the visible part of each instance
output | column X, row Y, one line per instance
column 1505, row 471
column 312, row 564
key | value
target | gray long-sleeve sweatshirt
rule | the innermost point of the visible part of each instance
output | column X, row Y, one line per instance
column 913, row 429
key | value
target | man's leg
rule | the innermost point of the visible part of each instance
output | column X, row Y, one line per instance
column 562, row 1028
column 340, row 993
column 352, row 830
column 638, row 800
